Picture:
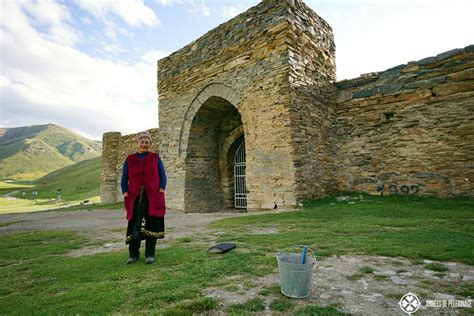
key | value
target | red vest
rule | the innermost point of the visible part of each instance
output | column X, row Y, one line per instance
column 144, row 172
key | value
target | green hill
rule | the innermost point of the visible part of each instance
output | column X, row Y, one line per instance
column 29, row 152
column 78, row 182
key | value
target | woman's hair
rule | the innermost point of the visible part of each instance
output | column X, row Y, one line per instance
column 144, row 134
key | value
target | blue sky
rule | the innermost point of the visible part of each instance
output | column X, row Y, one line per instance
column 90, row 65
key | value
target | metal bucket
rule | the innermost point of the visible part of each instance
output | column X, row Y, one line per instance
column 295, row 278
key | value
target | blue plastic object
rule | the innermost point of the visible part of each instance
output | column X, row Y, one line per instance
column 303, row 254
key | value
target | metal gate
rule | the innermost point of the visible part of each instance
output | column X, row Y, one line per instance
column 239, row 177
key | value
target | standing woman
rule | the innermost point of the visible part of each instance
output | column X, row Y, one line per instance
column 143, row 188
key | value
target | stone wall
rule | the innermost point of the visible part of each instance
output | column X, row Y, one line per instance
column 108, row 177
column 409, row 128
column 115, row 149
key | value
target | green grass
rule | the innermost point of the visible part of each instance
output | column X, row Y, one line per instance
column 315, row 310
column 185, row 239
column 271, row 290
column 78, row 182
column 366, row 270
column 253, row 305
column 192, row 307
column 411, row 227
column 29, row 166
column 437, row 267
column 12, row 186
column 23, row 205
column 282, row 305
column 37, row 278
column 8, row 205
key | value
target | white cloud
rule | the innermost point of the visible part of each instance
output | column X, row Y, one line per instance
column 86, row 20
column 169, row 2
column 199, row 7
column 111, row 49
column 372, row 36
column 232, row 11
column 151, row 57
column 47, row 81
column 133, row 12
column 53, row 18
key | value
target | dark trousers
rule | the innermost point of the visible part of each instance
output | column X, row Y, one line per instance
column 134, row 247
column 141, row 225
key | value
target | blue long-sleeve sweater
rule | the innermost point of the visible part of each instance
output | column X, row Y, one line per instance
column 161, row 172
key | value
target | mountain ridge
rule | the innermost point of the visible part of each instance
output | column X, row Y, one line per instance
column 29, row 152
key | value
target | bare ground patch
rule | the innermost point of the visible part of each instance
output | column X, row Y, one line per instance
column 371, row 293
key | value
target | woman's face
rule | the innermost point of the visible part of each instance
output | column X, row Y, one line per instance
column 143, row 145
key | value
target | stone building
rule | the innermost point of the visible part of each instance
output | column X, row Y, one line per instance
column 251, row 117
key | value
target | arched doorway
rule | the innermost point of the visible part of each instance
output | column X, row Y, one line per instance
column 208, row 169
column 240, row 192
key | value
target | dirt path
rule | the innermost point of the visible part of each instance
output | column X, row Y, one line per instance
column 101, row 222
column 105, row 226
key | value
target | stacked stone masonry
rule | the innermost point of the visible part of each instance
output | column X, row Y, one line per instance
column 410, row 126
column 267, row 78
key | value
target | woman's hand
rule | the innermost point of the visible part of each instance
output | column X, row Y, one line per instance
column 161, row 190
column 125, row 194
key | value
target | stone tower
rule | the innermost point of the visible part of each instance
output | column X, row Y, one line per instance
column 262, row 81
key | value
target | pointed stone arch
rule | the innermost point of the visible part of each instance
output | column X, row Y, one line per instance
column 212, row 124
column 220, row 90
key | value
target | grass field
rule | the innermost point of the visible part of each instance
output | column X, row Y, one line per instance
column 8, row 205
column 8, row 187
column 78, row 182
column 413, row 227
column 36, row 277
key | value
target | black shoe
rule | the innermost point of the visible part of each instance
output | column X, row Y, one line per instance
column 132, row 260
column 149, row 260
